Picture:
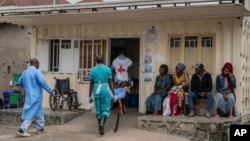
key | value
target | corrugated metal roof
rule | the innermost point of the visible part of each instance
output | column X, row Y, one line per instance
column 133, row 12
column 31, row 2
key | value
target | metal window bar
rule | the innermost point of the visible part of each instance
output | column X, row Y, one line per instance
column 55, row 56
column 89, row 50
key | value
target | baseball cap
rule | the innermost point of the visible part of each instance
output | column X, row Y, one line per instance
column 200, row 65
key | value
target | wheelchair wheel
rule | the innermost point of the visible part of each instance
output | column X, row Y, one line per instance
column 53, row 101
column 71, row 103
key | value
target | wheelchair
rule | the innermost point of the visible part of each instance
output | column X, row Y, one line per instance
column 1, row 104
column 63, row 93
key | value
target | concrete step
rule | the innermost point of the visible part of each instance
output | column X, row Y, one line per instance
column 195, row 128
column 13, row 116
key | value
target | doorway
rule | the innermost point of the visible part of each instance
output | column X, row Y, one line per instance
column 131, row 48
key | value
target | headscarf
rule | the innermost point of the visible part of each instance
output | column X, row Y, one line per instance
column 181, row 66
column 164, row 67
column 229, row 66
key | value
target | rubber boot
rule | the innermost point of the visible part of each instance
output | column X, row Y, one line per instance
column 99, row 127
column 102, row 125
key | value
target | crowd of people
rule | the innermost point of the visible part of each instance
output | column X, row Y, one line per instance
column 172, row 92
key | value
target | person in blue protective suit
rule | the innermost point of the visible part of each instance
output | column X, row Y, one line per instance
column 33, row 81
column 101, row 84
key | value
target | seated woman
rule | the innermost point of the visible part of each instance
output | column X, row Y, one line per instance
column 163, row 84
column 225, row 97
column 181, row 78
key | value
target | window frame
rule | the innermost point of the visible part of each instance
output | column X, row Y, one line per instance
column 63, row 46
column 83, row 70
column 199, row 49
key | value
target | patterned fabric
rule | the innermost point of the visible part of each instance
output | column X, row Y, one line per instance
column 183, row 80
column 154, row 101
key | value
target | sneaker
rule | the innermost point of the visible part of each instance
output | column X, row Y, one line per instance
column 208, row 115
column 21, row 133
column 191, row 114
column 40, row 131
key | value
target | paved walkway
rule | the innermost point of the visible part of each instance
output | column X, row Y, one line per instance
column 84, row 128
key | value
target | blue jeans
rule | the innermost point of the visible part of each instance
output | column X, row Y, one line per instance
column 26, row 123
column 193, row 95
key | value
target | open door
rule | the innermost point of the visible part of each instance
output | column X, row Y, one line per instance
column 131, row 47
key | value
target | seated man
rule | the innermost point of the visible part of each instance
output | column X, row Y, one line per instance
column 201, row 86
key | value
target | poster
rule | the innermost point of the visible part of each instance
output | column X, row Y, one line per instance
column 148, row 68
column 151, row 34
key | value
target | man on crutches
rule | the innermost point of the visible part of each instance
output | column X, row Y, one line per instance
column 101, row 84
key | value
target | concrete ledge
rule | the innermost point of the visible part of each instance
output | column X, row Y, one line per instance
column 13, row 116
column 196, row 128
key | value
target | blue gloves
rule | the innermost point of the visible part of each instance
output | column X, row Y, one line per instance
column 90, row 100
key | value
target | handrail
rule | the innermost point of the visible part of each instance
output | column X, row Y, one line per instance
column 78, row 6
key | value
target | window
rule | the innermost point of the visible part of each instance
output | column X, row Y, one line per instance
column 175, row 42
column 190, row 50
column 207, row 41
column 191, row 41
column 63, row 55
column 54, row 55
column 88, row 50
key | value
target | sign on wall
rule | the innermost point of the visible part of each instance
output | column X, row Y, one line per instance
column 148, row 68
column 151, row 34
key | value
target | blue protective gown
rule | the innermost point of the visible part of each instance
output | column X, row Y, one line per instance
column 33, row 81
column 100, row 76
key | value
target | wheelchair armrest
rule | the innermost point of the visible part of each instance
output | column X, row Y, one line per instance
column 72, row 91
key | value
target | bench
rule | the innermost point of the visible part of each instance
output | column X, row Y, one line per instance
column 200, row 107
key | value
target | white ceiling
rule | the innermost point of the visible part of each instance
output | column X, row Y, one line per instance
column 130, row 16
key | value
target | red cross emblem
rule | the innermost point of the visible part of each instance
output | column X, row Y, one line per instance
column 121, row 69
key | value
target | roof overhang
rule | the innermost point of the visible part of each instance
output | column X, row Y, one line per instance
column 155, row 12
